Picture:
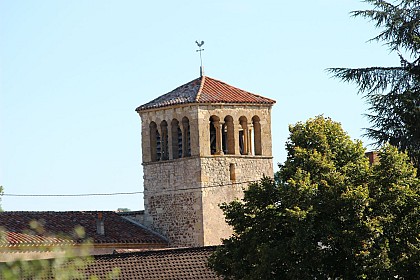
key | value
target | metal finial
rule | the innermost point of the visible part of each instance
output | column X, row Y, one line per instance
column 201, row 60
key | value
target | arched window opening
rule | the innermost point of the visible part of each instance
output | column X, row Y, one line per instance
column 154, row 142
column 212, row 137
column 215, row 135
column 176, row 139
column 164, row 140
column 186, row 137
column 243, row 136
column 228, row 136
column 257, row 135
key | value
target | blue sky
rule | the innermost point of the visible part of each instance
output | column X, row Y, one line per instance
column 72, row 73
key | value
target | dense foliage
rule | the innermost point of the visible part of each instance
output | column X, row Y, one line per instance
column 328, row 214
column 393, row 93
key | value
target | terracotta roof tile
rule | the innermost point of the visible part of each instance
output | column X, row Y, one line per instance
column 205, row 90
column 57, row 228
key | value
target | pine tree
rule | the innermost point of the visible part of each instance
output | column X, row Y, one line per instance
column 393, row 93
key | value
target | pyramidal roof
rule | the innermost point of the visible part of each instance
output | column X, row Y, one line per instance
column 205, row 90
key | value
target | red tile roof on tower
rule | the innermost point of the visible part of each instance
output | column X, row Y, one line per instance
column 58, row 228
column 205, row 90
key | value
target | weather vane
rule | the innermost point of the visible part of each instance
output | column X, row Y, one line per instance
column 201, row 60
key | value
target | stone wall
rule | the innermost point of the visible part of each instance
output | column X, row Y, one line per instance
column 173, row 200
column 218, row 188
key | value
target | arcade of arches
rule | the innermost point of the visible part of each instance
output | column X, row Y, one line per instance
column 179, row 140
column 222, row 136
column 223, row 140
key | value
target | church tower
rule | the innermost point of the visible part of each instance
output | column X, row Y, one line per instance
column 202, row 143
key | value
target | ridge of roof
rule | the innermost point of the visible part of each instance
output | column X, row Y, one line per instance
column 197, row 97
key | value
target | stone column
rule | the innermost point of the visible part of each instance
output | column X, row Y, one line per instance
column 244, row 125
column 236, row 128
column 218, row 126
column 250, row 152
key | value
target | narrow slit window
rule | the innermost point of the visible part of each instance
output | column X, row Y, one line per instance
column 232, row 173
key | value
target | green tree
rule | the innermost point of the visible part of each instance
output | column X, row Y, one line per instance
column 393, row 93
column 394, row 212
column 327, row 215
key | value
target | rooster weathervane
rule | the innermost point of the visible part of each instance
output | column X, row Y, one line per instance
column 200, row 44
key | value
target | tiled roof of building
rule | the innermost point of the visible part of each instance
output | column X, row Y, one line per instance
column 184, row 263
column 58, row 228
column 205, row 90
column 163, row 264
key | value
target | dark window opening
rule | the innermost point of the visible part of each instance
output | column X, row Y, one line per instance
column 241, row 142
column 224, row 139
column 212, row 139
column 155, row 148
column 176, row 139
column 186, row 137
column 164, row 141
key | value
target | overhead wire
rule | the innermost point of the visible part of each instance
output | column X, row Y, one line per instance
column 125, row 193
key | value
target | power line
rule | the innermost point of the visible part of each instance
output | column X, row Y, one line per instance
column 124, row 193
column 70, row 195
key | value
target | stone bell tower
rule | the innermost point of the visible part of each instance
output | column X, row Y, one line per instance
column 202, row 143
